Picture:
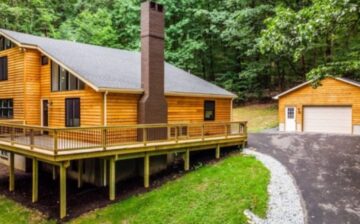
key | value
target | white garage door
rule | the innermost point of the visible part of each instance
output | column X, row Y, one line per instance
column 328, row 119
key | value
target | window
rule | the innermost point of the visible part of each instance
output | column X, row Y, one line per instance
column 62, row 80
column 6, row 108
column 44, row 60
column 5, row 43
column 72, row 112
column 209, row 110
column 3, row 68
column 290, row 113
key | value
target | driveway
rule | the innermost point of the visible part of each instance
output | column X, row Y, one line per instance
column 326, row 169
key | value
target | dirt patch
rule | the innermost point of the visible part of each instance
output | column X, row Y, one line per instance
column 90, row 197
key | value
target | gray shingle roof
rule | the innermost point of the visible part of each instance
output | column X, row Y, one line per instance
column 108, row 68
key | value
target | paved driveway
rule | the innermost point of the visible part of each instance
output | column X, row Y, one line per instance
column 326, row 169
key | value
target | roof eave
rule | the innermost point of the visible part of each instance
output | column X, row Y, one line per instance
column 116, row 90
column 172, row 93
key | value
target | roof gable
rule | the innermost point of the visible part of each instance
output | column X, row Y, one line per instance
column 344, row 80
column 112, row 69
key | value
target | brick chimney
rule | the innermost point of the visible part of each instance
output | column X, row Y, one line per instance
column 152, row 105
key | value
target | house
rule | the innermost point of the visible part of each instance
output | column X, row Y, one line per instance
column 99, row 114
column 333, row 107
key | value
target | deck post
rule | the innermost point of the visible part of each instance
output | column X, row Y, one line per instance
column 12, row 172
column 187, row 160
column 12, row 136
column 35, row 180
column 217, row 154
column 112, row 178
column 146, row 170
column 55, row 133
column 54, row 172
column 80, row 173
column 63, row 167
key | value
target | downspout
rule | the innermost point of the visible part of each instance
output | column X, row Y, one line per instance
column 231, row 109
column 105, row 124
column 105, row 109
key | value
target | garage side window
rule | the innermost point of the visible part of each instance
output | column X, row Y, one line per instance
column 209, row 110
column 290, row 113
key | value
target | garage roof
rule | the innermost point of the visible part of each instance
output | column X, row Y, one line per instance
column 349, row 81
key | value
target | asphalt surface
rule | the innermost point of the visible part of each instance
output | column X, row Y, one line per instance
column 326, row 169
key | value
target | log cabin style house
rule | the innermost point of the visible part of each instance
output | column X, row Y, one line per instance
column 76, row 109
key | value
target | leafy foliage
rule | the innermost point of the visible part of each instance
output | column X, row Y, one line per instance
column 253, row 48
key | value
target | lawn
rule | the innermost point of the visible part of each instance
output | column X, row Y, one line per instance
column 12, row 212
column 216, row 193
column 259, row 117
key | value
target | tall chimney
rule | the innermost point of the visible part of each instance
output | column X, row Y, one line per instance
column 152, row 105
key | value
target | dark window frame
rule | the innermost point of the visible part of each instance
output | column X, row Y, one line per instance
column 4, row 68
column 9, row 109
column 80, row 85
column 44, row 60
column 69, row 121
column 209, row 105
column 4, row 41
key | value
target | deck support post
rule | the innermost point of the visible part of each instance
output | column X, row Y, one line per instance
column 12, row 172
column 35, row 180
column 54, row 172
column 147, row 170
column 217, row 154
column 187, row 160
column 80, row 173
column 112, row 178
column 63, row 167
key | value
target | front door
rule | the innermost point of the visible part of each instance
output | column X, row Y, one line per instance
column 45, row 113
column 290, row 116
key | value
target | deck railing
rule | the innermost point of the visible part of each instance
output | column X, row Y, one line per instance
column 106, row 138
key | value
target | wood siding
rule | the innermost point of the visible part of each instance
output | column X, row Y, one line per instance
column 13, row 88
column 32, row 87
column 191, row 109
column 332, row 92
column 91, row 102
column 122, row 108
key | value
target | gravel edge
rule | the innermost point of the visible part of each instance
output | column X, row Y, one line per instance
column 286, row 204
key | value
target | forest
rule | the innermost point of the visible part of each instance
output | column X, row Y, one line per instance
column 254, row 48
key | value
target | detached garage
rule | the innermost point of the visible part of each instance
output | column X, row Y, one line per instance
column 333, row 107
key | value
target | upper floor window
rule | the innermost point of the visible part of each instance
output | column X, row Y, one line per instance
column 62, row 80
column 3, row 68
column 6, row 108
column 5, row 43
column 209, row 110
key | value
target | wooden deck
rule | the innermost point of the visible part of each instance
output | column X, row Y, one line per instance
column 59, row 146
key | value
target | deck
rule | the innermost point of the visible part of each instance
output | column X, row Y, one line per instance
column 60, row 146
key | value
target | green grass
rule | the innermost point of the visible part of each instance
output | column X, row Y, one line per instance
column 216, row 193
column 259, row 117
column 12, row 212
